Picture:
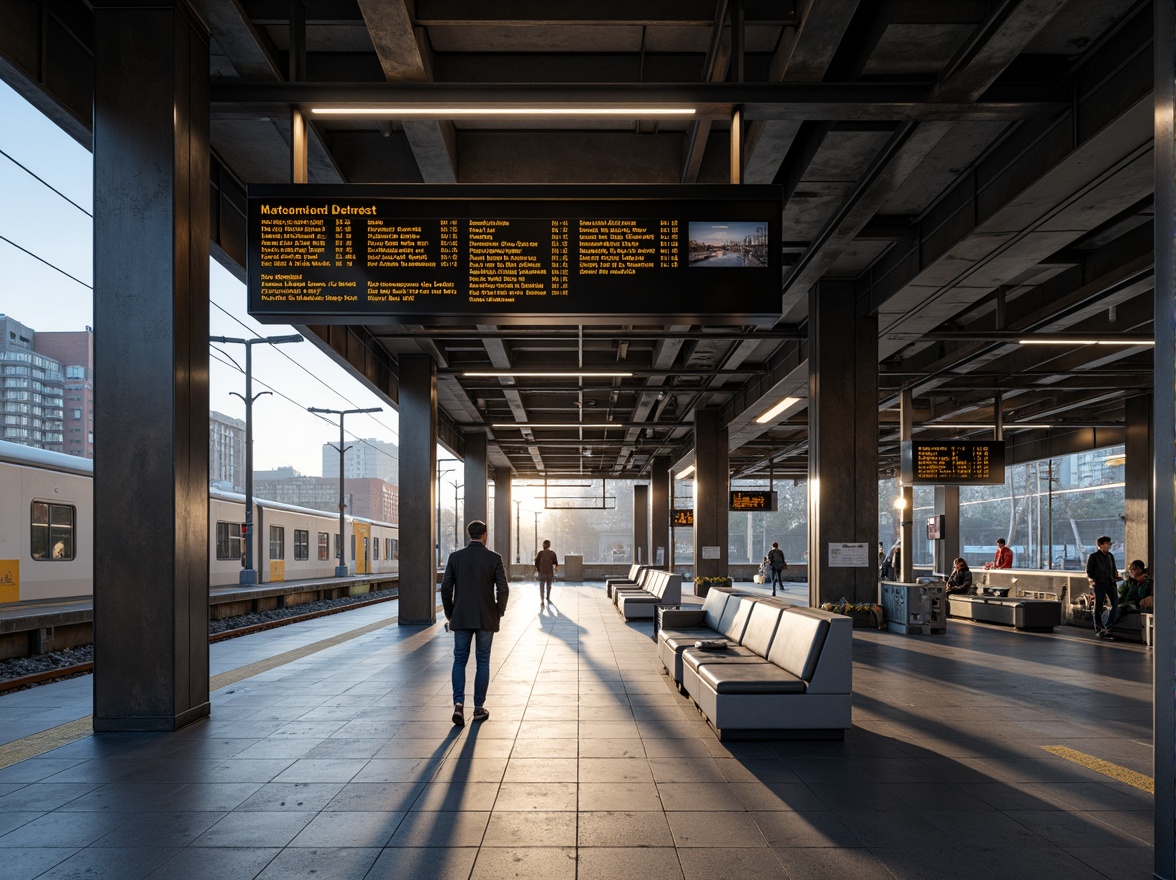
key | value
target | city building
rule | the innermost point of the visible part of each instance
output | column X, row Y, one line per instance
column 226, row 452
column 74, row 351
column 32, row 390
column 365, row 497
column 364, row 459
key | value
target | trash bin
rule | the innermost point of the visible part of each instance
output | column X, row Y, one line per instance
column 573, row 568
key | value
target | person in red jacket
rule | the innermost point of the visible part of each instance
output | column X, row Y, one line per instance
column 1003, row 558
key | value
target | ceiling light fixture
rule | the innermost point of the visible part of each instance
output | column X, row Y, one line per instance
column 554, row 425
column 776, row 410
column 989, row 427
column 519, row 374
column 1086, row 342
column 683, row 474
column 440, row 112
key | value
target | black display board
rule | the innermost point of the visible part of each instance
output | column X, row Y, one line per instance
column 359, row 254
column 682, row 516
column 962, row 462
column 753, row 499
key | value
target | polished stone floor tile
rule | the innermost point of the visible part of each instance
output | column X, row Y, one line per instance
column 608, row 863
column 341, row 829
column 348, row 863
column 441, row 829
column 424, row 863
column 532, row 863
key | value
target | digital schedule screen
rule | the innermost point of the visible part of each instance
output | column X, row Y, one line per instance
column 452, row 254
column 682, row 516
column 941, row 462
column 753, row 499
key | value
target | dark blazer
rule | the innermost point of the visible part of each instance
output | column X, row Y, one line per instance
column 474, row 589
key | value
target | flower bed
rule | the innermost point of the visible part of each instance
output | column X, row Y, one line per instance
column 863, row 614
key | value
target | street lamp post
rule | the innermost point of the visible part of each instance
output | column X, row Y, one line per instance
column 440, row 474
column 456, row 527
column 248, row 572
column 341, row 568
column 518, row 549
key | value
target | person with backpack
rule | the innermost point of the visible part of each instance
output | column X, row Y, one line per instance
column 779, row 564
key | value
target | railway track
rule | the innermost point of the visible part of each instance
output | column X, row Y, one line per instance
column 62, row 672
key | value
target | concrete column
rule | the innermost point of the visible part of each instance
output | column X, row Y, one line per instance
column 711, row 493
column 500, row 532
column 1163, row 547
column 418, row 490
column 905, row 570
column 843, row 442
column 151, row 222
column 659, row 512
column 641, row 524
column 477, row 477
column 947, row 503
column 1137, row 478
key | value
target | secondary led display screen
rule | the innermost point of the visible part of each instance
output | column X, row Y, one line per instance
column 963, row 462
column 753, row 500
column 453, row 254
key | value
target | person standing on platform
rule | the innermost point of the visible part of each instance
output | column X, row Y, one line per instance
column 546, row 562
column 778, row 563
column 1003, row 557
column 1100, row 569
column 473, row 593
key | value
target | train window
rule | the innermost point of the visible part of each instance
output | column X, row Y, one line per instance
column 324, row 545
column 395, row 548
column 53, row 531
column 228, row 540
column 301, row 544
column 338, row 549
column 375, row 548
column 277, row 542
column 353, row 548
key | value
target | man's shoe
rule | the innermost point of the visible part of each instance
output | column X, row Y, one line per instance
column 481, row 714
column 459, row 715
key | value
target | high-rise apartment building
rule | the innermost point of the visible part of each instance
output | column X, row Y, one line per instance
column 226, row 451
column 74, row 351
column 32, row 389
column 365, row 459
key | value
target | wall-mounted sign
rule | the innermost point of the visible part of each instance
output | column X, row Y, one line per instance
column 936, row 527
column 683, row 516
column 849, row 555
column 753, row 499
column 940, row 462
column 449, row 254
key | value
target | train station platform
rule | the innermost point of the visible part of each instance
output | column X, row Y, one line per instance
column 980, row 753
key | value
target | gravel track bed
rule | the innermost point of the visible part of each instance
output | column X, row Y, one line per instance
column 21, row 666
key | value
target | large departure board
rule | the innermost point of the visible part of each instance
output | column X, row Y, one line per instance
column 943, row 462
column 453, row 254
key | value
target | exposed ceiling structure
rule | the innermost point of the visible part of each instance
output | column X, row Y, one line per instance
column 980, row 170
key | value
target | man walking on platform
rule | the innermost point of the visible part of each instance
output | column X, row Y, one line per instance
column 1100, row 568
column 546, row 562
column 778, row 563
column 473, row 594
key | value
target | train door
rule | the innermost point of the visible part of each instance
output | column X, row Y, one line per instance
column 363, row 534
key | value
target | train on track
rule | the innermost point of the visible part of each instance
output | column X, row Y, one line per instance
column 47, row 532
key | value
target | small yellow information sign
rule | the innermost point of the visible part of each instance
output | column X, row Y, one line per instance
column 277, row 570
column 9, row 580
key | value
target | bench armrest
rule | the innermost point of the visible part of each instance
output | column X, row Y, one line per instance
column 681, row 618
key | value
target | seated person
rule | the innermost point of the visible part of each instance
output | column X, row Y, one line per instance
column 1135, row 593
column 1003, row 557
column 765, row 572
column 959, row 582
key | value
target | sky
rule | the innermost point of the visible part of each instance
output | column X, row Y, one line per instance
column 40, row 226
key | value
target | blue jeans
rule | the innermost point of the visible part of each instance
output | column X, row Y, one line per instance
column 461, row 656
column 1102, row 594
